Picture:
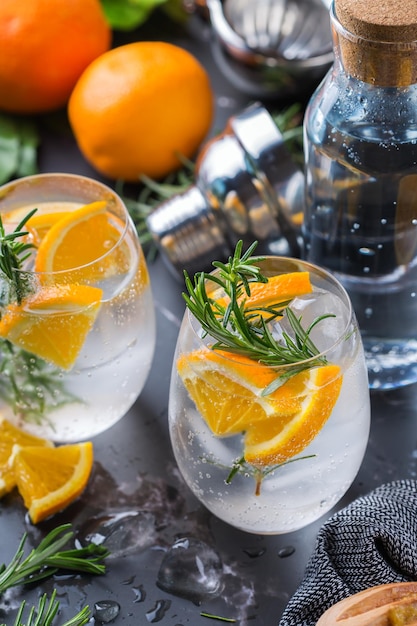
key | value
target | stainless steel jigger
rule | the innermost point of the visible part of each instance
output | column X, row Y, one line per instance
column 246, row 187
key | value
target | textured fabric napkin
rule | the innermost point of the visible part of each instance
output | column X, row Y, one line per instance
column 370, row 542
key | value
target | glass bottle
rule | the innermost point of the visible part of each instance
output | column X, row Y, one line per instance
column 360, row 137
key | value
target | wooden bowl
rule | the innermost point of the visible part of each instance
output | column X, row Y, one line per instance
column 393, row 604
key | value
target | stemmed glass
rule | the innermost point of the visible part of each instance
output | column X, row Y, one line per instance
column 269, row 404
column 77, row 323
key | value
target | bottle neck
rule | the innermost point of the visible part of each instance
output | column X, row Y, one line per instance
column 380, row 63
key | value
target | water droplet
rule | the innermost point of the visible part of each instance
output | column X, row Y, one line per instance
column 253, row 553
column 191, row 569
column 286, row 551
column 105, row 611
column 158, row 611
column 366, row 251
column 140, row 593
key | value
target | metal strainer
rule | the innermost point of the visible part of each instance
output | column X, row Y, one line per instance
column 272, row 47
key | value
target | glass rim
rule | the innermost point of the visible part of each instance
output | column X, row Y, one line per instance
column 304, row 266
column 110, row 193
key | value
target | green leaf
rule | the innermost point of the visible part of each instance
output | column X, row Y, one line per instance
column 29, row 142
column 128, row 14
column 9, row 148
column 19, row 140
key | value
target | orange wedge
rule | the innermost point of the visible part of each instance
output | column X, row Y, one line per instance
column 54, row 323
column 40, row 223
column 9, row 437
column 81, row 238
column 49, row 479
column 278, row 289
column 276, row 440
column 227, row 390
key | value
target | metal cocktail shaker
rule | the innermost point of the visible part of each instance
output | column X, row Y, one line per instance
column 247, row 187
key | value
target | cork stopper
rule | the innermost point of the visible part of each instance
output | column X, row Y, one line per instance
column 382, row 46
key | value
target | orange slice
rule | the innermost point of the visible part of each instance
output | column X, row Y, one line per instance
column 276, row 440
column 49, row 479
column 54, row 323
column 40, row 223
column 80, row 238
column 227, row 390
column 278, row 289
column 9, row 437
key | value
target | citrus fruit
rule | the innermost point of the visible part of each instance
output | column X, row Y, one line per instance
column 278, row 289
column 276, row 440
column 227, row 390
column 54, row 322
column 40, row 223
column 82, row 240
column 49, row 479
column 10, row 436
column 137, row 107
column 46, row 45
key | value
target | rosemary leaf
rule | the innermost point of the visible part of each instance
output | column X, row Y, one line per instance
column 244, row 331
column 45, row 612
column 230, row 620
column 49, row 557
column 30, row 386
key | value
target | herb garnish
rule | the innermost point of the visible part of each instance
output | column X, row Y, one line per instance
column 49, row 557
column 243, row 330
column 13, row 254
column 30, row 386
column 45, row 612
column 240, row 466
column 230, row 620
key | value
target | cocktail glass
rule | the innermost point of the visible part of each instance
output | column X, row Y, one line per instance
column 268, row 448
column 76, row 343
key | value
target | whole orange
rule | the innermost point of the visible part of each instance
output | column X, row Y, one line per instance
column 139, row 106
column 45, row 46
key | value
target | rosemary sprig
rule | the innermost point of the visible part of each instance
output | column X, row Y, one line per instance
column 45, row 612
column 219, row 618
column 13, row 254
column 49, row 557
column 240, row 466
column 245, row 331
column 30, row 386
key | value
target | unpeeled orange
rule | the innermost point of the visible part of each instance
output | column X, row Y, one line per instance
column 45, row 46
column 138, row 108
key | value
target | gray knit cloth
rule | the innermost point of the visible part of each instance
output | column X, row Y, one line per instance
column 370, row 542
